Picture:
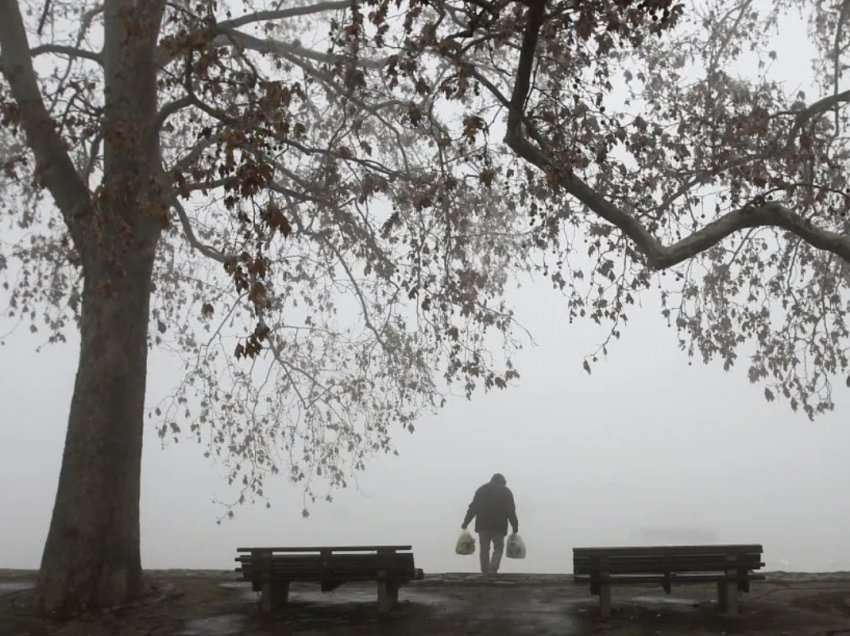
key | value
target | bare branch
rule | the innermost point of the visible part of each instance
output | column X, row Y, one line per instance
column 189, row 159
column 206, row 250
column 817, row 108
column 53, row 164
column 172, row 108
column 771, row 214
column 282, row 14
column 227, row 35
column 743, row 8
column 69, row 51
column 268, row 45
column 374, row 109
column 364, row 306
column 93, row 154
column 484, row 81
column 44, row 13
column 704, row 176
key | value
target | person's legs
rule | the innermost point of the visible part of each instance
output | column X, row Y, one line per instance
column 498, row 548
column 484, row 539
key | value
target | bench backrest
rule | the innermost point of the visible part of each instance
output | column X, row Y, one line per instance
column 665, row 559
column 331, row 549
column 326, row 563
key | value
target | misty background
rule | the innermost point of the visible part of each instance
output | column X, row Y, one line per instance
column 645, row 450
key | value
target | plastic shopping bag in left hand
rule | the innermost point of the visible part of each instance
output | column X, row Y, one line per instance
column 515, row 548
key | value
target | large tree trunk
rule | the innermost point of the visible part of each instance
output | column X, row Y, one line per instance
column 91, row 558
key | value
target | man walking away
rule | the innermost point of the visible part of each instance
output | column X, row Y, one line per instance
column 492, row 506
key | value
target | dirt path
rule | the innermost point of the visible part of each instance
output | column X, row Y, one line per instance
column 194, row 603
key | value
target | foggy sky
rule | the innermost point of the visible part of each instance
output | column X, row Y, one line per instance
column 645, row 450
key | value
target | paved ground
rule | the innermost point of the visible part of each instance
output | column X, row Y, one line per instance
column 190, row 603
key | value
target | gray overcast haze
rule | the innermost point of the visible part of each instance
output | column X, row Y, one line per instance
column 646, row 450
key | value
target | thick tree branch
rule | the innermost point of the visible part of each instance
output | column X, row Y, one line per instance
column 226, row 35
column 172, row 108
column 189, row 159
column 54, row 167
column 658, row 256
column 282, row 14
column 522, row 83
column 268, row 45
column 817, row 108
column 489, row 85
column 69, row 51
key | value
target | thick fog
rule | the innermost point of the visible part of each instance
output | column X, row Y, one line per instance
column 645, row 450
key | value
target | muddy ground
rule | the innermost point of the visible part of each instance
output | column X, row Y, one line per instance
column 212, row 603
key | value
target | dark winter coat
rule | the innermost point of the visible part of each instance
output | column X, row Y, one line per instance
column 492, row 506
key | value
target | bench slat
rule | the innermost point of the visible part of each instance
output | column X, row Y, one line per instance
column 670, row 555
column 347, row 548
column 336, row 558
column 650, row 569
column 346, row 575
column 318, row 562
column 669, row 549
column 671, row 559
column 674, row 578
column 661, row 565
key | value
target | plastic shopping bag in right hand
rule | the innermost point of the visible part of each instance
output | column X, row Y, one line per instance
column 515, row 548
column 465, row 543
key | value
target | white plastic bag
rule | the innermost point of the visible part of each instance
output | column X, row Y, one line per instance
column 515, row 548
column 465, row 543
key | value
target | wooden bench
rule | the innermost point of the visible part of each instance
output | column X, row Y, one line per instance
column 271, row 570
column 730, row 566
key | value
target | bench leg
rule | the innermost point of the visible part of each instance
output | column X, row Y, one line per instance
column 731, row 597
column 266, row 598
column 387, row 595
column 727, row 596
column 605, row 600
column 273, row 596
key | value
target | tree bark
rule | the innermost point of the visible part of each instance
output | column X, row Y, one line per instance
column 92, row 554
column 92, row 557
